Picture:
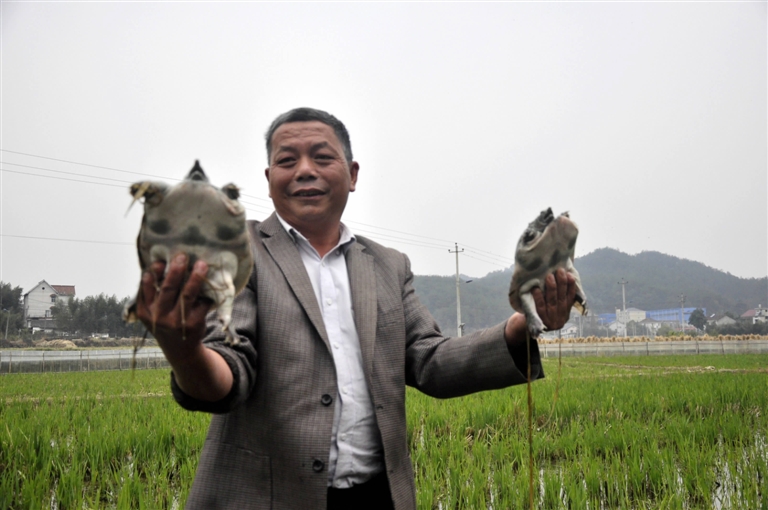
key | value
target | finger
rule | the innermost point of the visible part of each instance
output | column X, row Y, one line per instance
column 571, row 292
column 171, row 286
column 145, row 297
column 158, row 270
column 563, row 307
column 191, row 291
column 550, row 294
column 541, row 305
column 148, row 289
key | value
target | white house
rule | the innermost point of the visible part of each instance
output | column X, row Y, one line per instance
column 649, row 327
column 630, row 314
column 617, row 327
column 569, row 330
column 720, row 319
column 39, row 301
column 755, row 315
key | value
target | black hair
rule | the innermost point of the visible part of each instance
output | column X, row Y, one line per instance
column 309, row 115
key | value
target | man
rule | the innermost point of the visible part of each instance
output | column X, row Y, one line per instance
column 310, row 404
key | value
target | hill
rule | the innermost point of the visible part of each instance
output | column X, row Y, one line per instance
column 655, row 281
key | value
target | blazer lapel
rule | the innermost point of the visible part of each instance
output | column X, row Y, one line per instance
column 362, row 281
column 285, row 254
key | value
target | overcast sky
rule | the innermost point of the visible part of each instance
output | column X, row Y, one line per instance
column 647, row 121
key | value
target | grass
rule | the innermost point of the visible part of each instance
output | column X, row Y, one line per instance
column 650, row 432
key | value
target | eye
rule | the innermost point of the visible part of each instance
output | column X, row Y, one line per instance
column 287, row 160
column 529, row 236
column 232, row 191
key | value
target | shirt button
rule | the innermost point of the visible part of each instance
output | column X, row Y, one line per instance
column 326, row 399
column 329, row 301
column 343, row 437
column 344, row 391
column 318, row 465
column 335, row 346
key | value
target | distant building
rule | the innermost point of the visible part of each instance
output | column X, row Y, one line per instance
column 570, row 330
column 650, row 326
column 618, row 328
column 39, row 301
column 720, row 319
column 630, row 314
column 605, row 318
column 673, row 314
column 755, row 315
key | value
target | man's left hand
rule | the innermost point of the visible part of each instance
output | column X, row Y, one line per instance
column 553, row 305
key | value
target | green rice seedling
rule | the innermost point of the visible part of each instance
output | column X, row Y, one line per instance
column 631, row 433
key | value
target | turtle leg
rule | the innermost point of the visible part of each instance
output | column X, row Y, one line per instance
column 581, row 297
column 221, row 289
column 225, row 309
column 535, row 326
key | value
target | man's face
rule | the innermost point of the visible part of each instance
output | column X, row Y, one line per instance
column 309, row 178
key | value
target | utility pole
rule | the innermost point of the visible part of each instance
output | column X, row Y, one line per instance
column 459, row 325
column 7, row 321
column 624, row 304
column 682, row 314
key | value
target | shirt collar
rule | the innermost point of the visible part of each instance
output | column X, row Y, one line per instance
column 346, row 237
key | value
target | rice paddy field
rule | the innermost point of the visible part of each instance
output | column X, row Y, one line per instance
column 680, row 432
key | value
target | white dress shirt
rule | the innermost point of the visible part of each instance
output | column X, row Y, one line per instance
column 356, row 450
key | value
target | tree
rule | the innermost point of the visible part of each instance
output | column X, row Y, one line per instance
column 10, row 298
column 63, row 312
column 11, row 310
column 665, row 330
column 698, row 319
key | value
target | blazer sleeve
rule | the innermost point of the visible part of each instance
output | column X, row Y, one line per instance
column 446, row 367
column 241, row 357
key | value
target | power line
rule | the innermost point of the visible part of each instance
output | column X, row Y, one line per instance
column 60, row 172
column 373, row 235
column 86, row 164
column 476, row 250
column 390, row 238
column 60, row 178
column 68, row 240
column 490, row 255
column 100, row 167
column 486, row 261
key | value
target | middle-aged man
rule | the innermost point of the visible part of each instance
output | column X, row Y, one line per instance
column 310, row 404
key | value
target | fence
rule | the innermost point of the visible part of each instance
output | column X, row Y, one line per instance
column 20, row 361
column 549, row 350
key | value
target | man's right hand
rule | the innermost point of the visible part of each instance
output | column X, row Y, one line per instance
column 175, row 314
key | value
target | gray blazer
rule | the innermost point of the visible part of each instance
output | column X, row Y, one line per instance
column 270, row 438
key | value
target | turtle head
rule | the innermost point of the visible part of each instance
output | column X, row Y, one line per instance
column 536, row 228
column 197, row 174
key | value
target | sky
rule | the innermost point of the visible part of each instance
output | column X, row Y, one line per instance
column 646, row 121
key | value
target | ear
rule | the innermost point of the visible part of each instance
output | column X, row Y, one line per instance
column 266, row 175
column 354, row 168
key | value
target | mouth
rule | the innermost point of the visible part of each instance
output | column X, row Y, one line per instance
column 308, row 192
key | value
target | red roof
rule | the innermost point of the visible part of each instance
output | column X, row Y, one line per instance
column 64, row 290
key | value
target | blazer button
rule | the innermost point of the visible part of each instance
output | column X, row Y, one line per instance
column 326, row 399
column 318, row 465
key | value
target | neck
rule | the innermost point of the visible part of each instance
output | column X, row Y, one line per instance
column 323, row 242
column 322, row 237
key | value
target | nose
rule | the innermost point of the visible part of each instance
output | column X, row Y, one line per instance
column 305, row 169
